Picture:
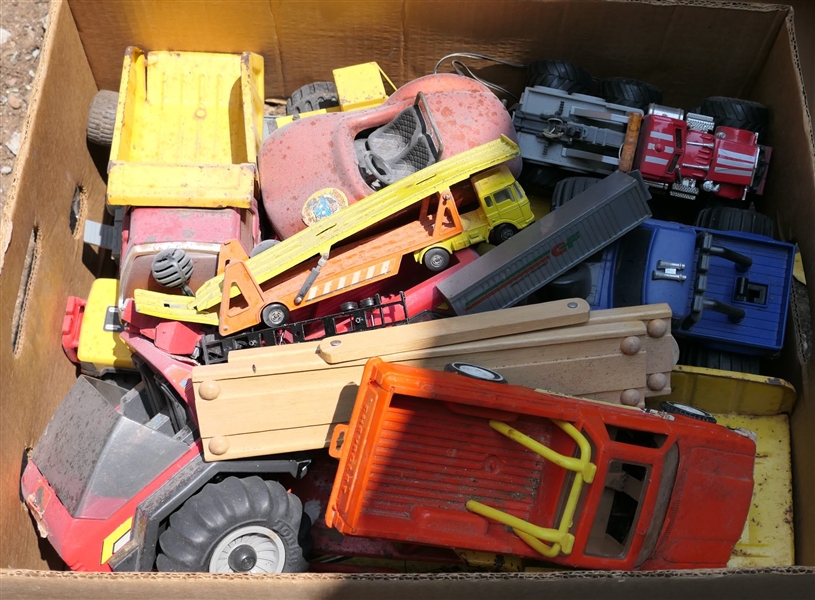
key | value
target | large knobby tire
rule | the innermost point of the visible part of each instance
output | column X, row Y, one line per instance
column 727, row 218
column 314, row 96
column 102, row 117
column 559, row 75
column 734, row 112
column 630, row 92
column 225, row 518
column 695, row 355
column 570, row 187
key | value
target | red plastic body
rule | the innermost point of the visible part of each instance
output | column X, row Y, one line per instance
column 728, row 157
column 79, row 541
column 72, row 325
column 419, row 447
column 318, row 152
column 198, row 231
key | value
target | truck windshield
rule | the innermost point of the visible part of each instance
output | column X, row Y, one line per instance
column 619, row 509
column 94, row 457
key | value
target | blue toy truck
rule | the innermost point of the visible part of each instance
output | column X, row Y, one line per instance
column 727, row 281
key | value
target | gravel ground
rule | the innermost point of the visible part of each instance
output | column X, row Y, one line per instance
column 22, row 26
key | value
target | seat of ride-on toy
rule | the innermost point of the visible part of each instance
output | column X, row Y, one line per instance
column 396, row 149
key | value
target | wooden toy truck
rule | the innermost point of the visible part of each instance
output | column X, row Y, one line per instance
column 286, row 398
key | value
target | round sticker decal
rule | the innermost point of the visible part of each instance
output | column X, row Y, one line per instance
column 322, row 204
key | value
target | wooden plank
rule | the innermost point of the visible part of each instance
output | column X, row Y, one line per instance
column 645, row 313
column 277, row 360
column 594, row 369
column 480, row 326
column 271, row 442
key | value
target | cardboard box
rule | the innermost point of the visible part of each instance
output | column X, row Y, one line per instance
column 690, row 49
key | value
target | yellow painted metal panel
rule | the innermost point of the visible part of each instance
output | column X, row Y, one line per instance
column 188, row 129
column 767, row 539
column 719, row 391
column 204, row 186
column 359, row 86
column 100, row 347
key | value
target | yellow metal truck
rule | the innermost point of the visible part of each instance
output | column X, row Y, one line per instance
column 187, row 129
column 503, row 211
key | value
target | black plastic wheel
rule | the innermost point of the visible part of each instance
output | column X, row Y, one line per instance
column 274, row 314
column 727, row 218
column 700, row 356
column 570, row 187
column 314, row 96
column 734, row 112
column 630, row 92
column 502, row 233
column 474, row 372
column 687, row 411
column 348, row 306
column 436, row 259
column 560, row 75
column 102, row 117
column 263, row 246
column 236, row 525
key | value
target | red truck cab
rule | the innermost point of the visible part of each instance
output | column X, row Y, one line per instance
column 684, row 151
column 442, row 459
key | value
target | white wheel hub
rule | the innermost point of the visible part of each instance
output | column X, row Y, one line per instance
column 265, row 544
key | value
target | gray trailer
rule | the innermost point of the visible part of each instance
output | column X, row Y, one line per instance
column 576, row 132
column 541, row 252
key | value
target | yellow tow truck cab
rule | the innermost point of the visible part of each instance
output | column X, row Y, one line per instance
column 503, row 210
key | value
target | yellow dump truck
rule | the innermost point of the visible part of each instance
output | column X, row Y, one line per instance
column 186, row 129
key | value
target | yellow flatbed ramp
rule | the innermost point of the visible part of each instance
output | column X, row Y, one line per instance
column 326, row 233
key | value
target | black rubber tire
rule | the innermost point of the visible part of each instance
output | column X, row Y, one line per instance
column 687, row 411
column 560, row 75
column 102, row 117
column 348, row 306
column 436, row 259
column 570, row 187
column 274, row 314
column 728, row 218
column 263, row 246
column 502, row 233
column 734, row 112
column 196, row 528
column 630, row 92
column 474, row 372
column 695, row 355
column 314, row 96
column 367, row 302
column 539, row 178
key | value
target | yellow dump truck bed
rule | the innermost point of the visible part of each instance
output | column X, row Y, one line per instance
column 188, row 129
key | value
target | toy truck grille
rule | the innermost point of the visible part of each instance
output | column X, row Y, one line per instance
column 559, row 241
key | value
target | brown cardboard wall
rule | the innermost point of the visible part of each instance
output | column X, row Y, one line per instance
column 789, row 200
column 690, row 51
column 53, row 161
column 669, row 47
